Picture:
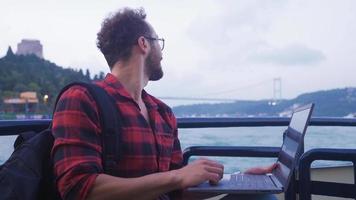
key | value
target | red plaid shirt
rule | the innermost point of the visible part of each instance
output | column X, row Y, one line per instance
column 147, row 147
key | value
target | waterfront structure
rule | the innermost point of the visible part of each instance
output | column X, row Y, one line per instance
column 27, row 102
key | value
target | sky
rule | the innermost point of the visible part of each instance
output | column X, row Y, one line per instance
column 214, row 48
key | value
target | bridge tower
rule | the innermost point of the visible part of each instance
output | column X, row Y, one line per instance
column 277, row 90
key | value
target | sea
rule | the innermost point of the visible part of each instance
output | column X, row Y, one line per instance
column 316, row 137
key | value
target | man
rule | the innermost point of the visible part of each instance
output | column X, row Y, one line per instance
column 151, row 164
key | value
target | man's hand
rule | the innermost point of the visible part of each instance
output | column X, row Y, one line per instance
column 199, row 171
column 261, row 170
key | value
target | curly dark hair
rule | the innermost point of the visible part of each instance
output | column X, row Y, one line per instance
column 119, row 32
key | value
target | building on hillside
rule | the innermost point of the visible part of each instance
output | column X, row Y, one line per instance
column 26, row 103
column 26, row 47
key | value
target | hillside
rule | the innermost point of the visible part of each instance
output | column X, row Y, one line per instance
column 19, row 73
column 333, row 103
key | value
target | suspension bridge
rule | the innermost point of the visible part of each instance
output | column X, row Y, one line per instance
column 277, row 93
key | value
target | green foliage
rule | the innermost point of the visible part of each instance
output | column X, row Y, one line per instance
column 30, row 73
column 9, row 52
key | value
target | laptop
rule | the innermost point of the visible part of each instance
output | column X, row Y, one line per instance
column 278, row 180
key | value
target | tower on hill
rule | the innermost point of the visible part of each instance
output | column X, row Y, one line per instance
column 26, row 47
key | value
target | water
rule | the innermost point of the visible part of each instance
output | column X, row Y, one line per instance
column 6, row 147
column 316, row 137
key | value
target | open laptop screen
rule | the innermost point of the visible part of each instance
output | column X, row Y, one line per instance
column 291, row 144
column 299, row 119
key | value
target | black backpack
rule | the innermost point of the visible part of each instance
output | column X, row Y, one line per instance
column 28, row 173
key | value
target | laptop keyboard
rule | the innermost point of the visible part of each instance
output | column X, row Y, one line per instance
column 250, row 181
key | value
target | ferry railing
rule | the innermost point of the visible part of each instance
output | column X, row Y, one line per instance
column 14, row 127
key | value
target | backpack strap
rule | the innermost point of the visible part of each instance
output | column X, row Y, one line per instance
column 22, row 137
column 110, row 121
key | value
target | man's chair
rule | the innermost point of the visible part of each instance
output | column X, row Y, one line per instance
column 307, row 187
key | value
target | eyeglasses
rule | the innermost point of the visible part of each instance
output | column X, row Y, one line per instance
column 160, row 41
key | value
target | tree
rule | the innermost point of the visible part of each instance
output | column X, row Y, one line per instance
column 87, row 74
column 101, row 75
column 95, row 77
column 9, row 52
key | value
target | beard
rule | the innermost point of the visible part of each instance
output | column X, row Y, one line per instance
column 153, row 67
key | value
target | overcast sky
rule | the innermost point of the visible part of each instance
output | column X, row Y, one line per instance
column 214, row 49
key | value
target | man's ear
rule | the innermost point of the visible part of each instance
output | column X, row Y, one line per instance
column 143, row 44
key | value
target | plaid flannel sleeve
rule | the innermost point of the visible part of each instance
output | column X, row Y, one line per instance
column 77, row 147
